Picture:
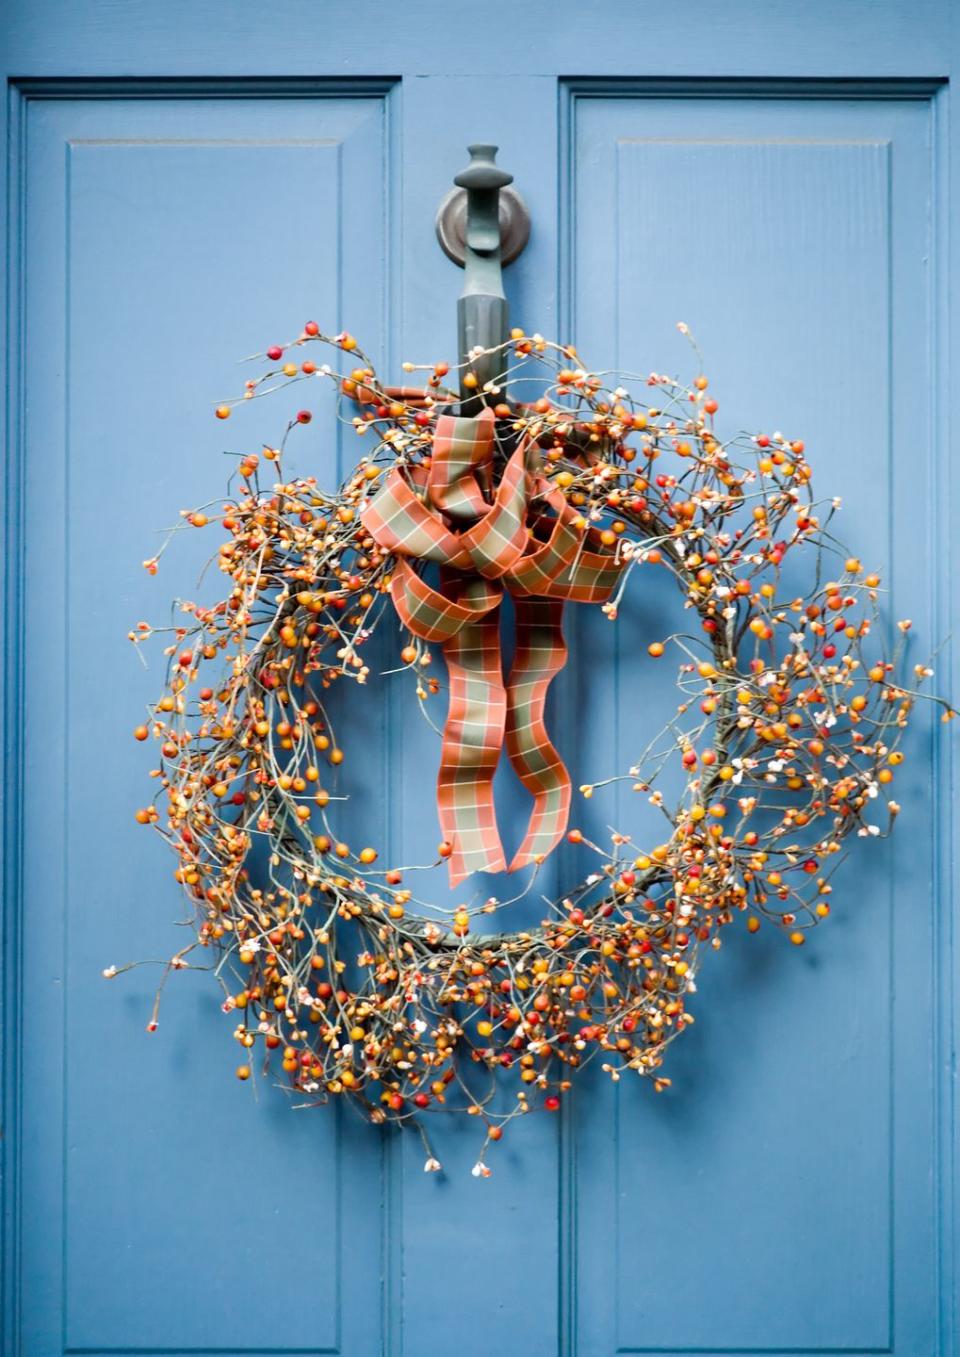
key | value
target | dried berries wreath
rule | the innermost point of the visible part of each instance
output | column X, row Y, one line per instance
column 787, row 730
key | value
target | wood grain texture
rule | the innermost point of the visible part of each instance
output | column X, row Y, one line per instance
column 425, row 37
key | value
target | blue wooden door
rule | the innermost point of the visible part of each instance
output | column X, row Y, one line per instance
column 191, row 182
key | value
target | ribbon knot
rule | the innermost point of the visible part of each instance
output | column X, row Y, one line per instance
column 519, row 537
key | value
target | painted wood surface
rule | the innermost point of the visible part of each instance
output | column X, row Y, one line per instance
column 189, row 183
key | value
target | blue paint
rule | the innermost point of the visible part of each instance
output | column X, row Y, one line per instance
column 793, row 1192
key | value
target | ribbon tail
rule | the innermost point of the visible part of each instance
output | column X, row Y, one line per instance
column 540, row 655
column 472, row 741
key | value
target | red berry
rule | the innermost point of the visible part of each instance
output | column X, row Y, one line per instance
column 422, row 1099
column 304, row 416
column 311, row 328
column 551, row 1103
column 274, row 353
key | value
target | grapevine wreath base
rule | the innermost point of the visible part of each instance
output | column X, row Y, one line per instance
column 787, row 729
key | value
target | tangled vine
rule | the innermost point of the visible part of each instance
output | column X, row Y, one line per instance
column 788, row 734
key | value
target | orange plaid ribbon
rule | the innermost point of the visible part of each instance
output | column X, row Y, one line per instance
column 489, row 540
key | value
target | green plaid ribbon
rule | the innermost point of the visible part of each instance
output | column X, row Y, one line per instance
column 519, row 537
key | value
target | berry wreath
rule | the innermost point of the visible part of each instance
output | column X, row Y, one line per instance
column 787, row 731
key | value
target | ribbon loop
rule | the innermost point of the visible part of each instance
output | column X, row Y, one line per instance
column 487, row 541
column 458, row 483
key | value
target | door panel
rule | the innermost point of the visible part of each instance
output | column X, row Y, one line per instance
column 788, row 1174
column 165, row 240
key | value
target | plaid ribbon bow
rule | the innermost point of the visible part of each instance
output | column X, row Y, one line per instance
column 488, row 540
